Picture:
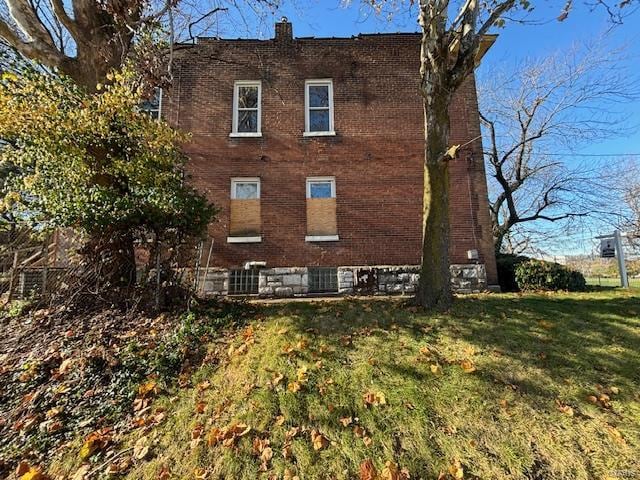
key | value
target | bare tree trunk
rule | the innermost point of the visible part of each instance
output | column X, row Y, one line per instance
column 434, row 289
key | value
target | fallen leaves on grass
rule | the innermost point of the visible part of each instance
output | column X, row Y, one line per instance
column 615, row 433
column 302, row 374
column 456, row 471
column 119, row 467
column 164, row 473
column 467, row 366
column 368, row 470
column 227, row 436
column 141, row 448
column 346, row 421
column 275, row 381
column 372, row 398
column 199, row 473
column 82, row 471
column 200, row 407
column 94, row 442
column 391, row 471
column 148, row 388
column 318, row 440
column 261, row 449
column 563, row 408
column 294, row 387
column 359, row 431
column 33, row 473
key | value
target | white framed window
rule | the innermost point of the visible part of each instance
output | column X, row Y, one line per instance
column 247, row 109
column 318, row 107
column 153, row 105
column 245, row 188
column 321, row 216
column 321, row 187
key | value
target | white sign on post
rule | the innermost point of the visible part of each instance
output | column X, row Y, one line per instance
column 608, row 248
column 611, row 247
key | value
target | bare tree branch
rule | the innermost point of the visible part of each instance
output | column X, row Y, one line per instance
column 557, row 103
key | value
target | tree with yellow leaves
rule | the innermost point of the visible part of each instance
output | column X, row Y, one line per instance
column 96, row 163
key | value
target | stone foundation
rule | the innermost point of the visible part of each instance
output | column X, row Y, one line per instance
column 216, row 282
column 378, row 280
column 283, row 282
column 468, row 278
column 354, row 280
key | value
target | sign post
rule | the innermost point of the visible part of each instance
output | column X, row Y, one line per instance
column 621, row 263
column 610, row 247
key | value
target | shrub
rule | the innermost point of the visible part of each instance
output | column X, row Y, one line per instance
column 507, row 264
column 541, row 275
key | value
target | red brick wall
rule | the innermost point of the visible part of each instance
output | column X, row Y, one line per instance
column 376, row 156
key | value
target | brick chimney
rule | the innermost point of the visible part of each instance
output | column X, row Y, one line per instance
column 284, row 30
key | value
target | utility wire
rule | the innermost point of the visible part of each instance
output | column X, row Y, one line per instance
column 589, row 154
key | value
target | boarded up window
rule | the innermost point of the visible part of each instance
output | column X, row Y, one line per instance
column 244, row 218
column 321, row 207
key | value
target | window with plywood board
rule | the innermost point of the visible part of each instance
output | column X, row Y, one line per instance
column 322, row 223
column 245, row 223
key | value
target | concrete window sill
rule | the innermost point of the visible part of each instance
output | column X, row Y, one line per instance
column 319, row 134
column 321, row 238
column 257, row 239
column 246, row 135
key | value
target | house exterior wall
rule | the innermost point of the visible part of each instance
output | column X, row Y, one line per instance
column 376, row 155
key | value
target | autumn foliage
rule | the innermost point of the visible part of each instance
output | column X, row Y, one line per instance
column 95, row 163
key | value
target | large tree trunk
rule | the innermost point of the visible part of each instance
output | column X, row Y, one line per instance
column 435, row 289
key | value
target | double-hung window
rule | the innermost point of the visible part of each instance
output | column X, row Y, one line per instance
column 153, row 105
column 247, row 109
column 319, row 108
column 245, row 216
column 321, row 210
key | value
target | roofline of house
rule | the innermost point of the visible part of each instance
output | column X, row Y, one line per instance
column 487, row 40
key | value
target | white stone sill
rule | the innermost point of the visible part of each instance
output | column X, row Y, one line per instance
column 246, row 135
column 321, row 238
column 244, row 239
column 319, row 134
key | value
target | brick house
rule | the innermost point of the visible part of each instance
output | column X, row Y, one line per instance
column 312, row 148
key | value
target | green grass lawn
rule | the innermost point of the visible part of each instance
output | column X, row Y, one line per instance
column 611, row 282
column 535, row 386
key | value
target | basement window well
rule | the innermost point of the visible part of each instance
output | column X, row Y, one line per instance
column 323, row 280
column 244, row 281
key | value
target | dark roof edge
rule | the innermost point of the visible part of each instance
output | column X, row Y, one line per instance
column 488, row 37
column 352, row 37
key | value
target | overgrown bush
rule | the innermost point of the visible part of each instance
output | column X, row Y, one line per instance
column 93, row 162
column 507, row 264
column 541, row 275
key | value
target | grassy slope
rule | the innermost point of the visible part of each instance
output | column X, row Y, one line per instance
column 524, row 412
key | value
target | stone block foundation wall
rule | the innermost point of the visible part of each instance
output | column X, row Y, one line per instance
column 283, row 282
column 353, row 280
